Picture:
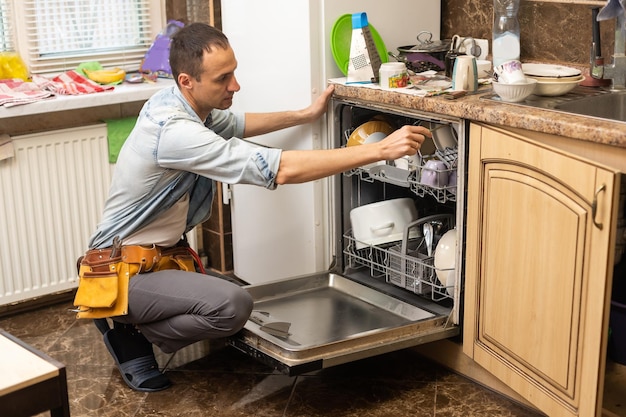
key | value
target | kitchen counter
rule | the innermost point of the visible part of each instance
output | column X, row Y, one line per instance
column 476, row 108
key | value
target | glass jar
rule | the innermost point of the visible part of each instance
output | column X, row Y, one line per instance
column 506, row 31
column 393, row 75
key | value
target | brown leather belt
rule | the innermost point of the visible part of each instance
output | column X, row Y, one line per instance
column 146, row 256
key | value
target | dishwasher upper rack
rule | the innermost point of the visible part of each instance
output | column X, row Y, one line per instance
column 387, row 172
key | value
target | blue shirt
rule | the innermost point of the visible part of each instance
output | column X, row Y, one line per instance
column 171, row 152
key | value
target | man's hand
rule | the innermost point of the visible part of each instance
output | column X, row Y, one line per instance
column 319, row 106
column 405, row 141
column 260, row 123
column 298, row 166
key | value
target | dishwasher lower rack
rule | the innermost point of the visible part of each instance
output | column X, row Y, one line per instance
column 413, row 270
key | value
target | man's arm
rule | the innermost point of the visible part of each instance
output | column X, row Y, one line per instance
column 261, row 123
column 298, row 166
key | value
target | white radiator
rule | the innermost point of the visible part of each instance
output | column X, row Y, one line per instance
column 52, row 196
column 52, row 191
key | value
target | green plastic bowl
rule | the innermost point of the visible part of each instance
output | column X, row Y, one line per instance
column 341, row 37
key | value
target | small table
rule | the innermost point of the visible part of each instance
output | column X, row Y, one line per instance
column 31, row 382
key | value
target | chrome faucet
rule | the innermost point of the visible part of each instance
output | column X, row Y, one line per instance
column 616, row 71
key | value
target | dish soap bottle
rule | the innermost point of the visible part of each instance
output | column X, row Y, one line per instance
column 506, row 31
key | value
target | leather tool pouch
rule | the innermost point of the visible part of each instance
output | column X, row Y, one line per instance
column 103, row 280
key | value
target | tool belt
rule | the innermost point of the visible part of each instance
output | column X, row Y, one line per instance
column 104, row 275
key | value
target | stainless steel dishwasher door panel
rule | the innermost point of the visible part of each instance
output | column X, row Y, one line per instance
column 317, row 321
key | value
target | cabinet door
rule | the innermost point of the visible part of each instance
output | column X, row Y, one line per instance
column 540, row 233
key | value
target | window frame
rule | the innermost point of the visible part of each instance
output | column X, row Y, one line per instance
column 23, row 43
column 6, row 26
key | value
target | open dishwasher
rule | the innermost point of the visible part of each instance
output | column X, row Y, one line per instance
column 379, row 295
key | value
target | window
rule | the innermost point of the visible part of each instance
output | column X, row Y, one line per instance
column 53, row 36
column 6, row 39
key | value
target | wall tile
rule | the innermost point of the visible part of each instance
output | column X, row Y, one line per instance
column 550, row 32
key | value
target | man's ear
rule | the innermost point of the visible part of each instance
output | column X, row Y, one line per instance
column 184, row 80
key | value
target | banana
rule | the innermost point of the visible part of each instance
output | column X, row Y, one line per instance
column 106, row 76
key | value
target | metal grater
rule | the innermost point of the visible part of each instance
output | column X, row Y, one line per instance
column 375, row 60
column 359, row 61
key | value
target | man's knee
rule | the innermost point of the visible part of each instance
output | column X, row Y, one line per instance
column 239, row 309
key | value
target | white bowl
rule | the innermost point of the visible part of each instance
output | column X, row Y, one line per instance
column 445, row 260
column 555, row 87
column 514, row 93
column 381, row 222
column 370, row 132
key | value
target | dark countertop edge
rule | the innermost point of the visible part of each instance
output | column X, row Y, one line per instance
column 503, row 114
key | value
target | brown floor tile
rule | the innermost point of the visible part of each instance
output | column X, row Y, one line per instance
column 458, row 397
column 214, row 380
column 376, row 396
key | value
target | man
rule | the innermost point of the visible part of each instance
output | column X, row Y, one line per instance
column 184, row 139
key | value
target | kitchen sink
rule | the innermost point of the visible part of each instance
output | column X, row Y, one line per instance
column 586, row 101
column 605, row 106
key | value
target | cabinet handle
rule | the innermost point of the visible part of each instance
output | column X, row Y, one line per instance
column 594, row 206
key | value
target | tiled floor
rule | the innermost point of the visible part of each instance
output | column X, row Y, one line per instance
column 215, row 380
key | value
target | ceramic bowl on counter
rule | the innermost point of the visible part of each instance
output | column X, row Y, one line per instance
column 514, row 93
column 553, row 80
column 552, row 87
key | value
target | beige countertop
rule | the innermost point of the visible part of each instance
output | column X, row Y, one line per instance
column 474, row 108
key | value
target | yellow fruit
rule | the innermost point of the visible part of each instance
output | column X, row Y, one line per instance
column 106, row 76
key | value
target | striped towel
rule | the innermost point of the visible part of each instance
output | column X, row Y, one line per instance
column 70, row 83
column 15, row 91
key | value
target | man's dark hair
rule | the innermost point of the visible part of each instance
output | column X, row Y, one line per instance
column 188, row 46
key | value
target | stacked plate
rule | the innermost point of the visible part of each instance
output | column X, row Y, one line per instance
column 553, row 80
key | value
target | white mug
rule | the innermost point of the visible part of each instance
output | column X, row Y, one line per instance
column 409, row 163
column 509, row 72
column 465, row 74
column 434, row 174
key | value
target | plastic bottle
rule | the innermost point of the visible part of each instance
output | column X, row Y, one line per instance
column 506, row 31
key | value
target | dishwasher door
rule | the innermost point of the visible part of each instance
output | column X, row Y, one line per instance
column 375, row 298
column 313, row 322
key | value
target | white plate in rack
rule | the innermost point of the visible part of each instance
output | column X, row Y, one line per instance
column 445, row 260
column 548, row 70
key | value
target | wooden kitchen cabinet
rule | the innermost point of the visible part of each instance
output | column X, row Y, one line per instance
column 541, row 221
